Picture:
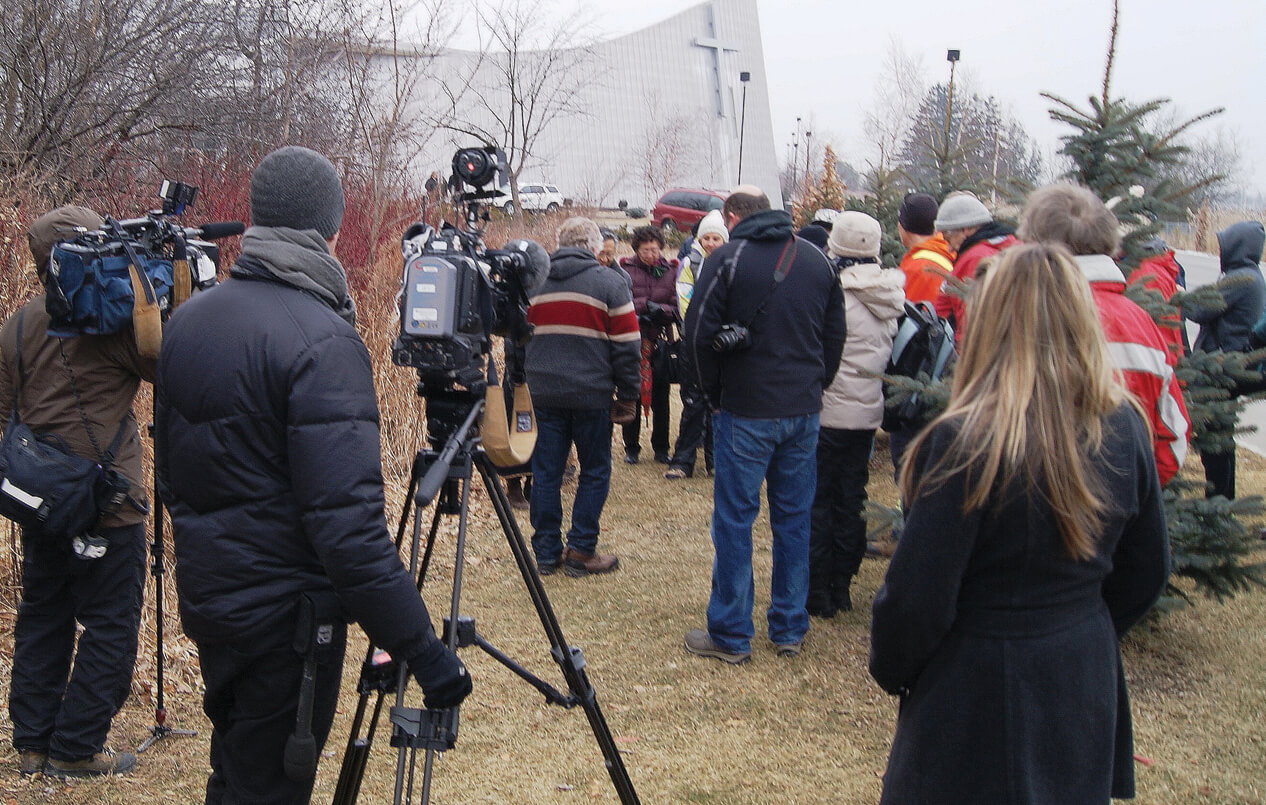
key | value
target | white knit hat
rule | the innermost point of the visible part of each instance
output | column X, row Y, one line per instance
column 960, row 212
column 712, row 223
column 826, row 215
column 855, row 234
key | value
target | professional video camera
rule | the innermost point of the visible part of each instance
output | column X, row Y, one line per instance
column 98, row 281
column 455, row 294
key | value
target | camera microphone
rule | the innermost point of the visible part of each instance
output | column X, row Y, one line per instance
column 216, row 230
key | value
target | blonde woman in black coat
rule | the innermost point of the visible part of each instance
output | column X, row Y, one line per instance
column 1035, row 539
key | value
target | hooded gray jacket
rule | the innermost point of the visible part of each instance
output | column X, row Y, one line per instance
column 1241, row 285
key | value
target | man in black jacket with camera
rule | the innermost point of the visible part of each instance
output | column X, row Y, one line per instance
column 764, row 331
column 268, row 457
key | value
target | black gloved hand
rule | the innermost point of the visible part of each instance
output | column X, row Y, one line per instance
column 444, row 679
column 659, row 315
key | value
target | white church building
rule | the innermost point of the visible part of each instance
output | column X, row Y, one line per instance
column 665, row 106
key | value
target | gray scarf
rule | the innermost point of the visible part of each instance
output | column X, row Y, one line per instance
column 299, row 258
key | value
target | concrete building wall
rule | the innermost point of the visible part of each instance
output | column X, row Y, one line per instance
column 677, row 80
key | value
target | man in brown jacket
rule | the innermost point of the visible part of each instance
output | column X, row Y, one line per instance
column 80, row 389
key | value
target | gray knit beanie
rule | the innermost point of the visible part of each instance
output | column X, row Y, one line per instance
column 960, row 212
column 296, row 187
column 855, row 234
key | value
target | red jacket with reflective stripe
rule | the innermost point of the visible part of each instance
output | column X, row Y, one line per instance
column 1160, row 273
column 1140, row 351
column 950, row 306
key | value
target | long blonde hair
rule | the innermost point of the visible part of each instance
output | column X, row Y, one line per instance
column 1032, row 386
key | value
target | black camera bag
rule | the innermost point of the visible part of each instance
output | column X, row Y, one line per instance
column 48, row 490
column 44, row 488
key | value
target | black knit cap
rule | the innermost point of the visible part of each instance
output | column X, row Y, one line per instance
column 298, row 188
column 917, row 214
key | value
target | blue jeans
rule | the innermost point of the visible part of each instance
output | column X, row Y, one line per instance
column 781, row 452
column 556, row 430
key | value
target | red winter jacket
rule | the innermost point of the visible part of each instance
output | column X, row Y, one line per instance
column 985, row 242
column 1160, row 273
column 1140, row 351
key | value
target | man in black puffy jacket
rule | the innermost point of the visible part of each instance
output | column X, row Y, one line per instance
column 268, row 457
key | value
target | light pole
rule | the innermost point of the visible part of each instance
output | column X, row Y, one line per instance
column 795, row 156
column 952, row 57
column 808, row 156
column 744, row 77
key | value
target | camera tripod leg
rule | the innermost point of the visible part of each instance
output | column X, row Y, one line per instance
column 569, row 659
column 459, row 481
column 371, row 684
column 158, row 569
column 457, row 486
column 356, row 755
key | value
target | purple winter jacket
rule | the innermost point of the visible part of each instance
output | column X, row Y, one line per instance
column 647, row 287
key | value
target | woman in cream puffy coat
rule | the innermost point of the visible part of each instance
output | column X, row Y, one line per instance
column 852, row 408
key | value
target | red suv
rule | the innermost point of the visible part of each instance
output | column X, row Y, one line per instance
column 681, row 209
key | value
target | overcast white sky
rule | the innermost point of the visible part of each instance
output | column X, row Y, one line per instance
column 822, row 57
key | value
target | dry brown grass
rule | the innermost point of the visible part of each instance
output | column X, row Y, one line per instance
column 1201, row 235
column 812, row 729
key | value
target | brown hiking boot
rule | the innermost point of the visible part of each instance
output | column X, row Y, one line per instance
column 99, row 765
column 515, row 496
column 33, row 761
column 577, row 564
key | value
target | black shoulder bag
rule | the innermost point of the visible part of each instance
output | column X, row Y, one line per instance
column 44, row 487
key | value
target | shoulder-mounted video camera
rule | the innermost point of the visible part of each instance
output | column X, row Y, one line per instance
column 98, row 279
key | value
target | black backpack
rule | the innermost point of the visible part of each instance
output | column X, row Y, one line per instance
column 922, row 349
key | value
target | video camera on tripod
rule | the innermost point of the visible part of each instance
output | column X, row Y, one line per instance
column 455, row 293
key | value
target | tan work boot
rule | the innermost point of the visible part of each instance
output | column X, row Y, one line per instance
column 33, row 761
column 99, row 765
column 577, row 564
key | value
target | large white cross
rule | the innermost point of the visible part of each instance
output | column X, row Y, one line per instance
column 717, row 47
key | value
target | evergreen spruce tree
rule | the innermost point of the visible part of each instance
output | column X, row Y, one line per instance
column 1119, row 149
column 886, row 186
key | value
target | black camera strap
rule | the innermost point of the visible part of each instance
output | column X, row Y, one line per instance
column 17, row 392
column 781, row 269
column 106, row 460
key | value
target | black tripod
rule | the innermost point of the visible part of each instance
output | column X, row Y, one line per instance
column 449, row 472
column 160, row 729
